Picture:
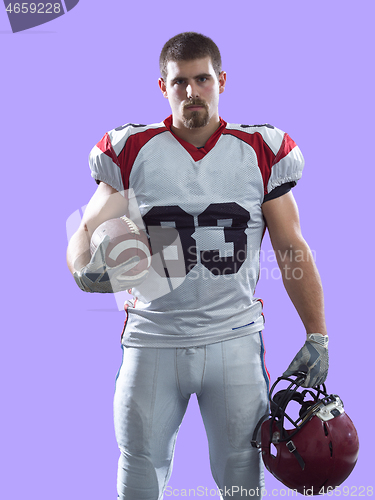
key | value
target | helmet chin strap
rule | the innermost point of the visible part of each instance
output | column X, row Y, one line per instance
column 291, row 447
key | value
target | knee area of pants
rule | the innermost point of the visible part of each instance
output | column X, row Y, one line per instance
column 135, row 460
column 244, row 469
column 243, row 460
column 136, row 477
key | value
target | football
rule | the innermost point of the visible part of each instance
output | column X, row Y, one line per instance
column 127, row 244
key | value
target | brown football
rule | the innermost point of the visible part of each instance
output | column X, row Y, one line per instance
column 127, row 243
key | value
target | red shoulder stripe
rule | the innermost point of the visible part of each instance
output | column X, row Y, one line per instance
column 265, row 155
column 286, row 147
column 105, row 146
column 131, row 149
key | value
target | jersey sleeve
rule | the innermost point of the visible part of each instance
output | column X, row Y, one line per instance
column 279, row 191
column 105, row 165
column 287, row 165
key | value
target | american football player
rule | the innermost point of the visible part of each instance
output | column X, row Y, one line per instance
column 194, row 325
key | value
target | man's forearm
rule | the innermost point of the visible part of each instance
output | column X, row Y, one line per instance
column 302, row 282
column 78, row 253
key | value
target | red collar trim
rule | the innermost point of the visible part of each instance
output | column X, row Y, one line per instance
column 197, row 153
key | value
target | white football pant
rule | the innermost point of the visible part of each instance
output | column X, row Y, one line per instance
column 152, row 393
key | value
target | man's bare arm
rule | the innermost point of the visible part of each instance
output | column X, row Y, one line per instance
column 302, row 282
column 106, row 203
column 300, row 275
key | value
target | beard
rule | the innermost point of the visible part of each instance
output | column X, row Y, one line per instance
column 195, row 119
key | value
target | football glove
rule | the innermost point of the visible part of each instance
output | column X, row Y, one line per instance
column 312, row 359
column 100, row 278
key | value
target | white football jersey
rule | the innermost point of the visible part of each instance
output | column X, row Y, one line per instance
column 201, row 208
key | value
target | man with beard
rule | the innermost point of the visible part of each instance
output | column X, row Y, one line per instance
column 204, row 190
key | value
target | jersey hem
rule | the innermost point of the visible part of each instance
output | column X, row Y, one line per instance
column 195, row 340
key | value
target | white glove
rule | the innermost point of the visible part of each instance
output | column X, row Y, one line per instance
column 100, row 278
column 311, row 359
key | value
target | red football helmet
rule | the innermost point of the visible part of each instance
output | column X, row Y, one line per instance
column 321, row 448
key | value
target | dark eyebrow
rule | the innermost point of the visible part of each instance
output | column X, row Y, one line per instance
column 202, row 75
column 205, row 75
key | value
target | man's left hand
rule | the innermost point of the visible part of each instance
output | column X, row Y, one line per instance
column 311, row 359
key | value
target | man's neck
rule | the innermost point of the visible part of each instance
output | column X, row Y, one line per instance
column 196, row 136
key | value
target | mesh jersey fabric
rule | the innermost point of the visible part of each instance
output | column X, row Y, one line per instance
column 202, row 211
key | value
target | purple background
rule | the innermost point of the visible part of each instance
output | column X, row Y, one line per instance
column 302, row 66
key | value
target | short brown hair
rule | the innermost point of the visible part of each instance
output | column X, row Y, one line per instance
column 187, row 47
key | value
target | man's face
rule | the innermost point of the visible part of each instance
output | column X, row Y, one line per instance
column 193, row 89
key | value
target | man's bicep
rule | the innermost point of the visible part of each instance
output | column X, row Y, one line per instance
column 106, row 203
column 282, row 220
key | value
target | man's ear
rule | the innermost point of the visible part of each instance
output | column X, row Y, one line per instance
column 163, row 87
column 222, row 81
